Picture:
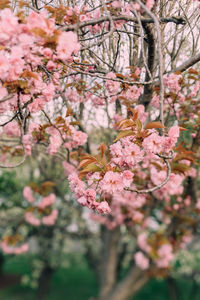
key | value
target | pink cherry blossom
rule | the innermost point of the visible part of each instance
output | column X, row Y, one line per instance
column 142, row 242
column 68, row 168
column 112, row 182
column 127, row 177
column 76, row 185
column 103, row 208
column 28, row 194
column 142, row 115
column 112, row 86
column 153, row 143
column 12, row 129
column 172, row 82
column 6, row 248
column 50, row 219
column 31, row 219
column 47, row 201
column 165, row 256
column 141, row 260
column 67, row 45
column 149, row 4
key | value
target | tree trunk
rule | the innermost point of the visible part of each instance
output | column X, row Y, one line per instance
column 108, row 260
column 2, row 260
column 172, row 288
column 127, row 287
column 44, row 282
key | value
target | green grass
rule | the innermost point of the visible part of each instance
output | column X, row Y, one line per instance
column 77, row 282
column 73, row 283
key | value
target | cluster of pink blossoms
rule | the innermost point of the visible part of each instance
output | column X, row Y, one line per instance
column 155, row 143
column 132, row 93
column 132, row 161
column 24, row 54
column 13, row 249
column 125, row 153
column 37, row 215
column 126, row 158
column 171, row 81
column 87, row 197
column 164, row 253
column 57, row 138
column 113, row 87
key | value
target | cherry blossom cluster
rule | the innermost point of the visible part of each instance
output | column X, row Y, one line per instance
column 87, row 197
column 41, row 212
column 162, row 255
column 24, row 53
column 126, row 156
column 10, row 246
column 162, row 259
column 55, row 136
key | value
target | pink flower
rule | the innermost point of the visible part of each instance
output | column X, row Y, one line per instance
column 67, row 45
column 142, row 242
column 132, row 155
column 112, row 182
column 171, row 81
column 116, row 4
column 76, row 185
column 155, row 101
column 79, row 138
column 112, row 86
column 47, row 201
column 55, row 140
column 126, row 153
column 153, row 143
column 47, row 52
column 137, row 216
column 12, row 129
column 141, row 261
column 22, row 249
column 28, row 194
column 37, row 104
column 127, row 178
column 90, row 195
column 31, row 219
column 103, row 208
column 49, row 92
column 116, row 149
column 142, row 115
column 8, row 25
column 165, row 256
column 41, row 20
column 174, row 132
column 149, row 4
column 82, row 201
column 4, row 66
column 6, row 248
column 170, row 141
column 68, row 168
column 50, row 219
column 51, row 65
column 133, row 93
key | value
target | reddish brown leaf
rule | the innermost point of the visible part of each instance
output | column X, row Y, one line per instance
column 152, row 125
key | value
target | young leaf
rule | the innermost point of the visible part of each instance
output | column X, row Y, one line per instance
column 124, row 133
column 152, row 125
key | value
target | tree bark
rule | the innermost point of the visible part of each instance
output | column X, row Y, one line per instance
column 146, row 97
column 172, row 288
column 109, row 260
column 127, row 287
column 44, row 282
